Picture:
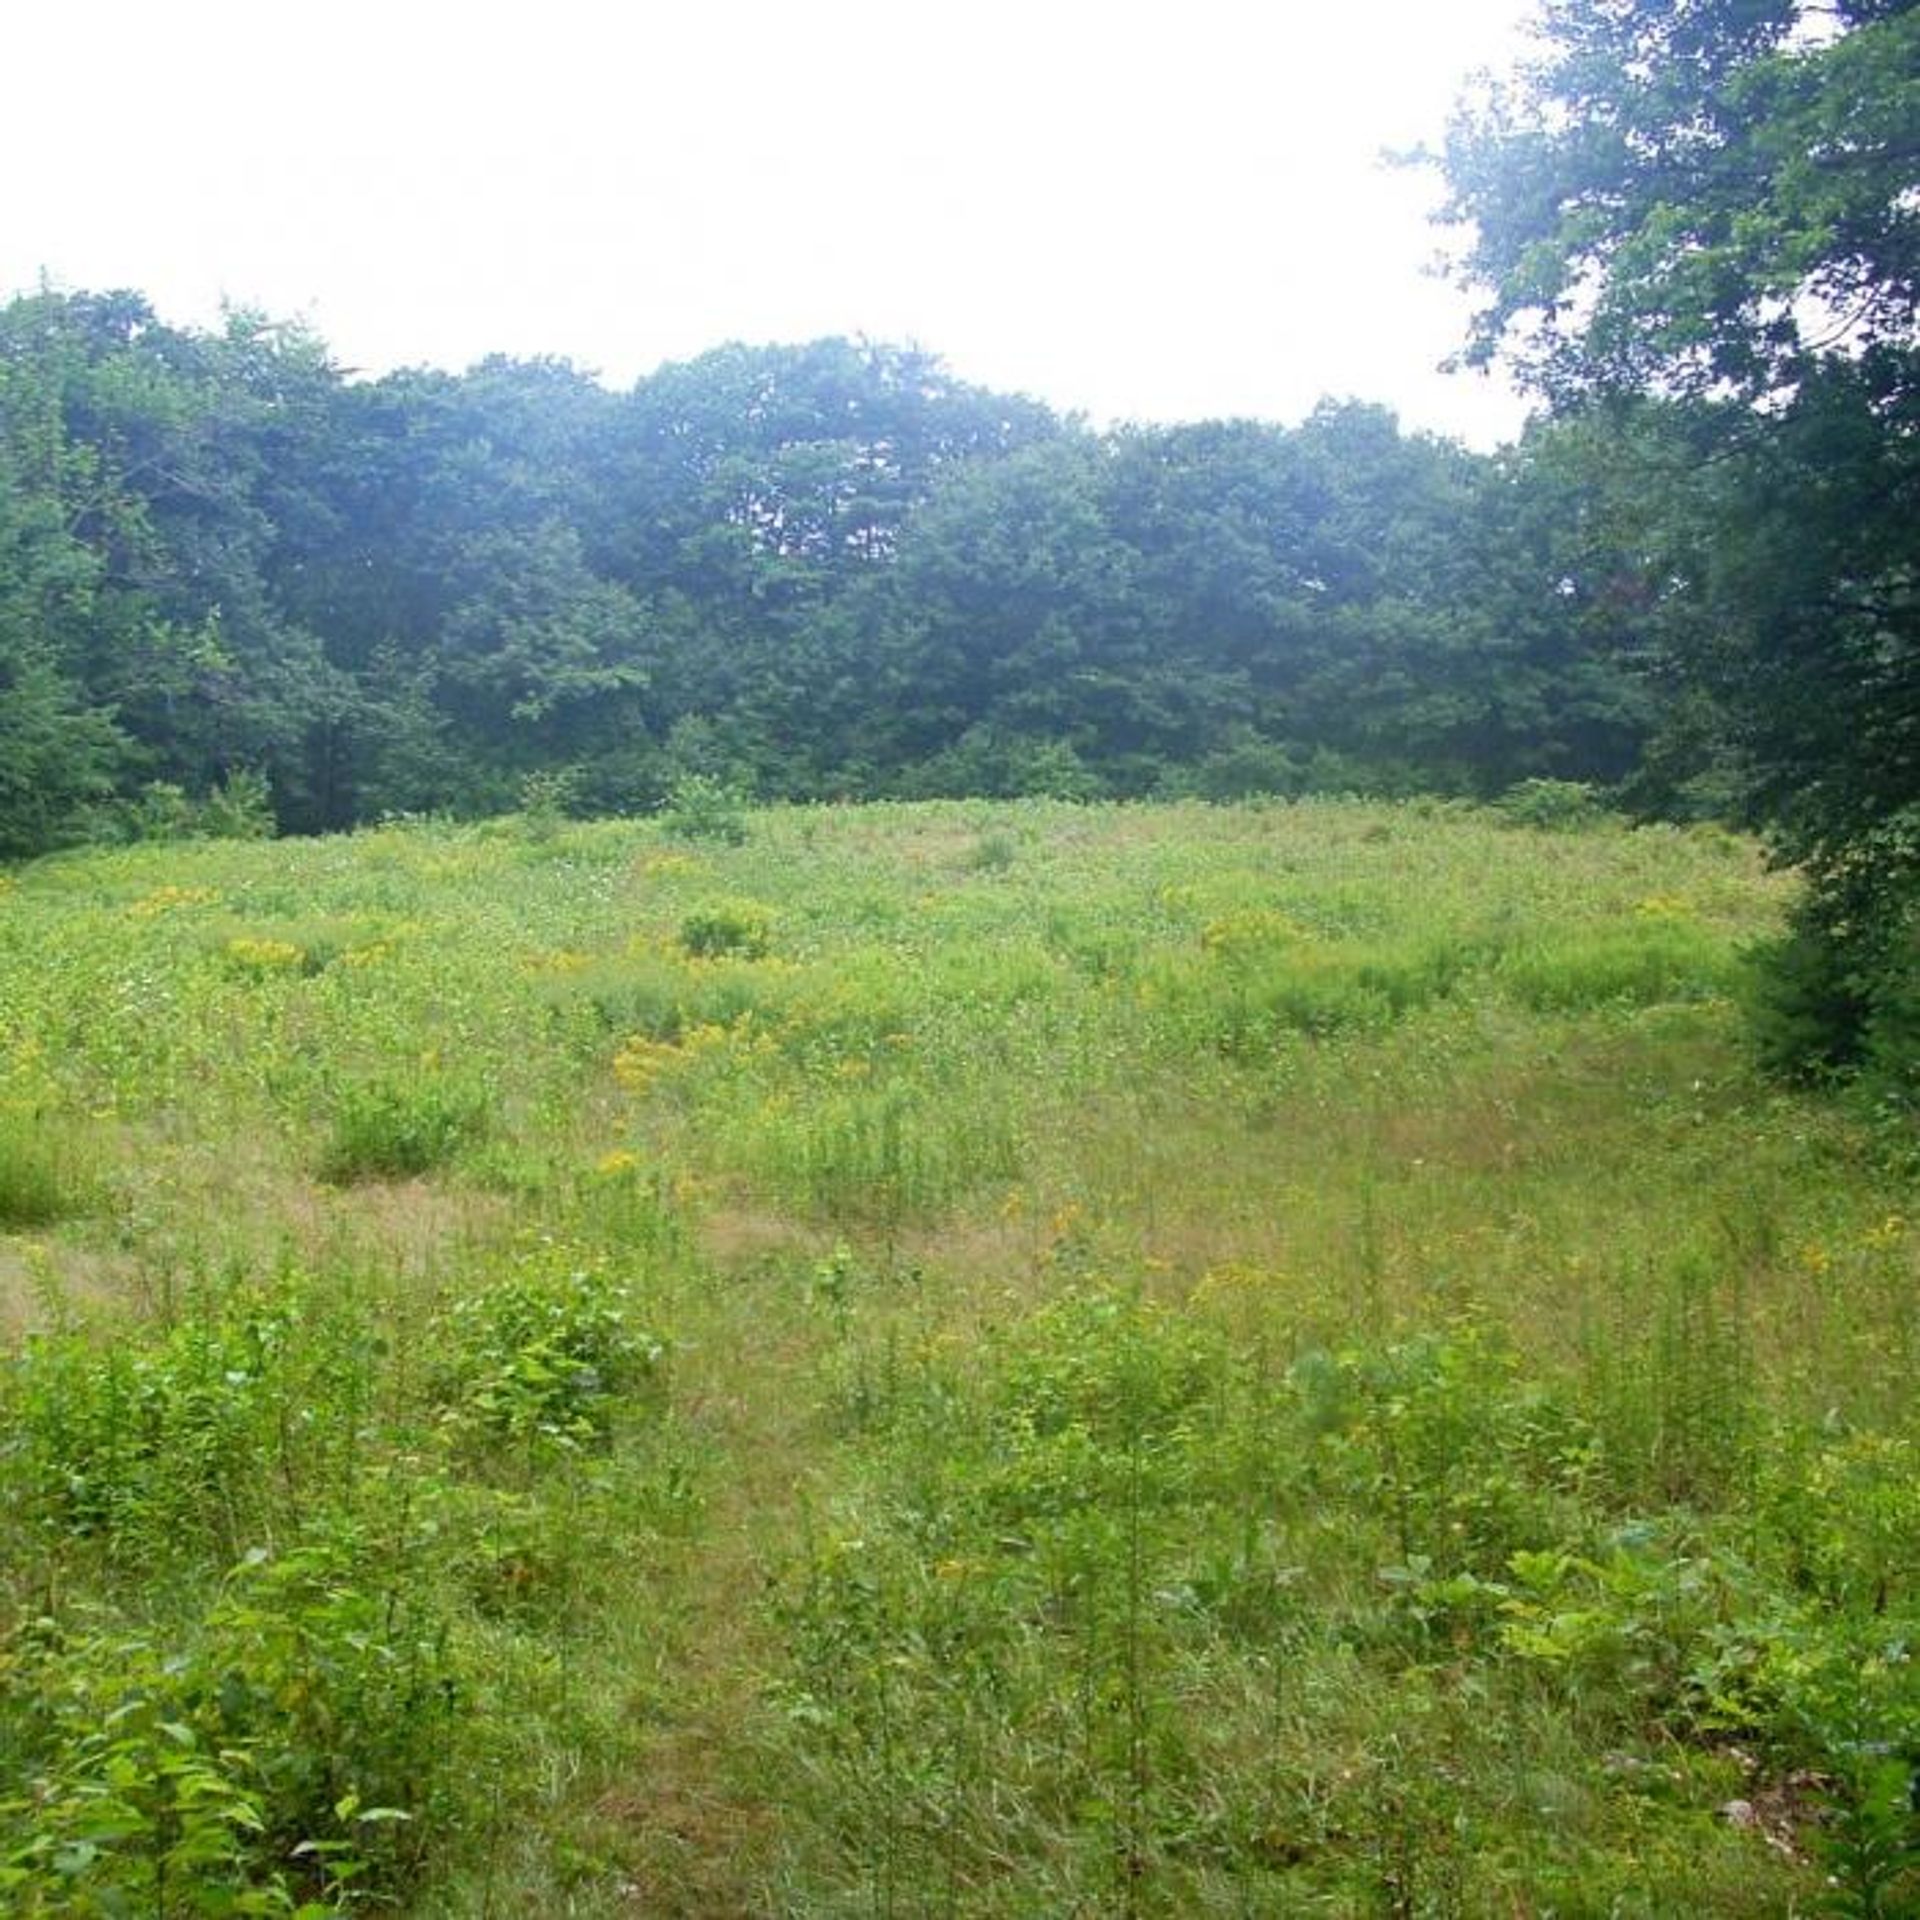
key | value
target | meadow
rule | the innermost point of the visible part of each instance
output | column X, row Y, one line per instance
column 963, row 1358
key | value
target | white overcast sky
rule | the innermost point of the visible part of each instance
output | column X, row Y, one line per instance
column 1156, row 213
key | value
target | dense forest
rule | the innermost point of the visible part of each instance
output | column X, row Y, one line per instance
column 829, row 570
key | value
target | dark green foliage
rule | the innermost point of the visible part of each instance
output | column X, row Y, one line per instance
column 56, row 758
column 1245, row 766
column 1808, row 1005
column 234, row 584
column 1839, row 992
column 1691, row 168
column 1893, row 1019
column 59, row 750
column 1696, row 227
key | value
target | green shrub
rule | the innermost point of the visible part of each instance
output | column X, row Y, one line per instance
column 988, row 762
column 189, row 1436
column 544, row 1355
column 1549, row 805
column 547, row 796
column 1246, row 767
column 334, row 1661
column 129, row 1807
column 296, row 1742
column 398, row 1129
column 740, row 928
column 1839, row 992
column 704, row 807
column 1444, row 1437
column 239, row 808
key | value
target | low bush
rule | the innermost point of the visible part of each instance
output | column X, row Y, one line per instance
column 397, row 1129
column 704, row 807
column 1552, row 806
column 740, row 929
column 544, row 1355
column 194, row 1436
column 294, row 1753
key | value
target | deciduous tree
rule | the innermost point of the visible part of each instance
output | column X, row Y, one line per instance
column 1701, row 219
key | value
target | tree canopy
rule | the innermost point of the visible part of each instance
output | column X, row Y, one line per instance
column 1698, row 223
column 1703, row 198
column 817, row 570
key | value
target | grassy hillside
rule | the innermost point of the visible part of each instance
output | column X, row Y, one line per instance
column 972, row 1359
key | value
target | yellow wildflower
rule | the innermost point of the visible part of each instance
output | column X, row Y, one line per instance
column 1888, row 1233
column 265, row 956
column 162, row 899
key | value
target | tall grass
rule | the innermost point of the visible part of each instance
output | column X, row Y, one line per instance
column 49, row 1167
column 974, row 1358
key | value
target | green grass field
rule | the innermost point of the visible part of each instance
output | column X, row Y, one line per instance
column 963, row 1359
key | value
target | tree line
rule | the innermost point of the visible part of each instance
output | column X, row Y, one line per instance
column 814, row 571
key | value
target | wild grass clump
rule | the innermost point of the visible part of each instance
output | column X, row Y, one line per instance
column 644, row 990
column 398, row 1129
column 1671, row 1376
column 1264, row 979
column 992, row 853
column 49, row 1167
column 877, row 1152
column 1658, row 960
